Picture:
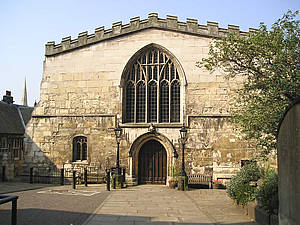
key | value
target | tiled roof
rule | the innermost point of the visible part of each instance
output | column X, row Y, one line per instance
column 26, row 113
column 11, row 119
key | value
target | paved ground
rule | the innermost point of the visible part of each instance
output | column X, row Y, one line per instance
column 159, row 205
column 140, row 205
column 52, row 205
column 11, row 187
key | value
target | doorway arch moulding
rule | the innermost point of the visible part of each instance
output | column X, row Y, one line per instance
column 140, row 141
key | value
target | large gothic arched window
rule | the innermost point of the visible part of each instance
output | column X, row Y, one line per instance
column 152, row 89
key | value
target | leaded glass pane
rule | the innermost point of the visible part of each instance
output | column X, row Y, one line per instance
column 150, row 58
column 132, row 73
column 172, row 72
column 144, row 59
column 78, row 150
column 155, row 56
column 161, row 58
column 164, row 102
column 140, row 102
column 175, row 102
column 152, row 102
column 155, row 73
column 167, row 71
column 130, row 93
column 150, row 72
column 84, row 151
column 138, row 74
column 177, row 76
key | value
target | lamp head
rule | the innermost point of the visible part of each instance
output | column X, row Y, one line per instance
column 118, row 131
column 183, row 133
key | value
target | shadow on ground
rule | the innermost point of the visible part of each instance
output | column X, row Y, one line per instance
column 53, row 217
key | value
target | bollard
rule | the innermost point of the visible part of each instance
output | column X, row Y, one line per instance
column 182, row 184
column 108, row 180
column 62, row 176
column 3, row 173
column 31, row 175
column 74, row 179
column 85, row 177
column 114, row 181
column 14, row 212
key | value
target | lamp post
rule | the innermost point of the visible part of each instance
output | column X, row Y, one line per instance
column 118, row 133
column 182, row 139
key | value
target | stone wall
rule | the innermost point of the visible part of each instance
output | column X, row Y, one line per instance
column 81, row 94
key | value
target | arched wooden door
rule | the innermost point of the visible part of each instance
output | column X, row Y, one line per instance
column 152, row 163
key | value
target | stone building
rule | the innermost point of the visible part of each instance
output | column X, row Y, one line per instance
column 141, row 75
column 13, row 119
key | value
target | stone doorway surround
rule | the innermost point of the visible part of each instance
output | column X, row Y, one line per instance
column 136, row 147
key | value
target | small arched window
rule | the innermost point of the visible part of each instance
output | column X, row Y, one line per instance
column 79, row 148
column 152, row 89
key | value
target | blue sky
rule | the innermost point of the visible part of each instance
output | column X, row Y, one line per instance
column 27, row 25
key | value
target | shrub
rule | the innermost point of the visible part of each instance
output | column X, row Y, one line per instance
column 241, row 187
column 267, row 192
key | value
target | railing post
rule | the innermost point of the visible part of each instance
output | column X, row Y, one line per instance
column 3, row 173
column 114, row 180
column 74, row 179
column 62, row 176
column 85, row 177
column 13, row 199
column 31, row 175
column 14, row 212
column 108, row 179
column 124, row 172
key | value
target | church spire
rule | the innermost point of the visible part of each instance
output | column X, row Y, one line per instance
column 24, row 95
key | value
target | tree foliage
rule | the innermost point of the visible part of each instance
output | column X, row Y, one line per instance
column 269, row 61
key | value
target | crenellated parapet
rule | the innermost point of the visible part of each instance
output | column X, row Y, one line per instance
column 171, row 23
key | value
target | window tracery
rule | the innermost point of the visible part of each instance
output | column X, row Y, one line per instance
column 152, row 89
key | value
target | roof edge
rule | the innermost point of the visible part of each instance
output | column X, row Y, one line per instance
column 171, row 23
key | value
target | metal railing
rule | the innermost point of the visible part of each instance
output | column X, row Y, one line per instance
column 13, row 199
column 63, row 176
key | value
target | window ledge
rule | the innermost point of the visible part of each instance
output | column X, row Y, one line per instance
column 147, row 125
column 83, row 162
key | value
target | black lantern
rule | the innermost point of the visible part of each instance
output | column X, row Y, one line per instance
column 183, row 133
column 182, row 139
column 118, row 133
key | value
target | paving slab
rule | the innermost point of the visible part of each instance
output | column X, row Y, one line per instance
column 159, row 205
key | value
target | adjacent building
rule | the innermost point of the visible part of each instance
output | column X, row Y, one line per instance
column 13, row 119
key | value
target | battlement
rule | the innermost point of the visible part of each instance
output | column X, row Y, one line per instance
column 171, row 23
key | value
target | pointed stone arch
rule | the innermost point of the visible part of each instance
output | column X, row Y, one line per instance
column 146, row 48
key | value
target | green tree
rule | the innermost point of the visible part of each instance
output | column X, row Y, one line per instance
column 269, row 62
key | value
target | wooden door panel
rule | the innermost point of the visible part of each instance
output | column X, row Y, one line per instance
column 152, row 163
